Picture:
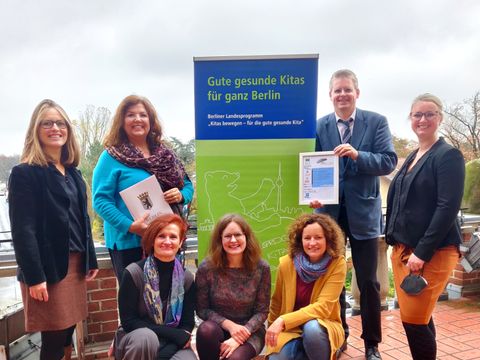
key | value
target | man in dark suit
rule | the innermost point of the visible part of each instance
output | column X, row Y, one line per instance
column 363, row 142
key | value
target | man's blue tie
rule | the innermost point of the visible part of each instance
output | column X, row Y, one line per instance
column 347, row 134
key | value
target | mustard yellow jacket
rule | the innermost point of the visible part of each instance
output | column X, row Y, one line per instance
column 324, row 305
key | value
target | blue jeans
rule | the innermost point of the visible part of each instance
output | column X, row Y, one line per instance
column 313, row 344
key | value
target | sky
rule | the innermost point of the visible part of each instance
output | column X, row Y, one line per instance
column 96, row 52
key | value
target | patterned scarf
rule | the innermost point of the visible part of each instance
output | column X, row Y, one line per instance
column 163, row 163
column 152, row 298
column 309, row 271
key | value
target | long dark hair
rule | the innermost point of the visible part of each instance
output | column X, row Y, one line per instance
column 218, row 257
column 117, row 136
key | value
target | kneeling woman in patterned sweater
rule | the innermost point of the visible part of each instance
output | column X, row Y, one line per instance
column 156, row 299
column 304, row 313
column 233, row 293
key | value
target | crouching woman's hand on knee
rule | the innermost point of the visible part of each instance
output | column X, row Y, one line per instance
column 228, row 347
column 273, row 330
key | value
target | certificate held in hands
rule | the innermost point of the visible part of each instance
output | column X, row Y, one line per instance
column 319, row 177
column 146, row 196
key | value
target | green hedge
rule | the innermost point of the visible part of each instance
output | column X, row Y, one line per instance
column 471, row 195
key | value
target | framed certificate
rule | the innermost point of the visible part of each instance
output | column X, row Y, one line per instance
column 318, row 177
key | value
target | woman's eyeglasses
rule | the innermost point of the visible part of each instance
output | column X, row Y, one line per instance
column 227, row 237
column 429, row 115
column 48, row 124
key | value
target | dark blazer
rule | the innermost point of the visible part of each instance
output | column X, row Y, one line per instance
column 359, row 182
column 428, row 208
column 38, row 208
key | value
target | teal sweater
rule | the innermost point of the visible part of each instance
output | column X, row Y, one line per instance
column 109, row 178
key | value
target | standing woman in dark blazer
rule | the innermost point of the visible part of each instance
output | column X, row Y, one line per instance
column 423, row 202
column 51, row 230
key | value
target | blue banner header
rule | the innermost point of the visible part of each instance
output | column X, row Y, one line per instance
column 255, row 98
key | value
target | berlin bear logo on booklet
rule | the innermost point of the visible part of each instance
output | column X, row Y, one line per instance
column 145, row 200
column 146, row 196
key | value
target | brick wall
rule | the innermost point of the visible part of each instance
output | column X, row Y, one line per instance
column 470, row 282
column 102, row 320
column 462, row 283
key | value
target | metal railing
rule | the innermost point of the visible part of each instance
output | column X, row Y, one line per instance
column 8, row 237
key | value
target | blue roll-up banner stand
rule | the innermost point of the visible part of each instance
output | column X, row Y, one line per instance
column 253, row 116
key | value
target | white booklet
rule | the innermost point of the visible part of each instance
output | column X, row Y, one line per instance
column 146, row 196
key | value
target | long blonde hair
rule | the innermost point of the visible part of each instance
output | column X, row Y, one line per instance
column 33, row 153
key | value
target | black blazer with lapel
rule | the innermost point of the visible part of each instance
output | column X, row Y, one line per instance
column 38, row 208
column 428, row 208
column 359, row 180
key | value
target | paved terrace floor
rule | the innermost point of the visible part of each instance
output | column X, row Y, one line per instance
column 458, row 334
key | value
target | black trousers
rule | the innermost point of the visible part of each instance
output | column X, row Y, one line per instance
column 365, row 259
column 122, row 258
column 54, row 343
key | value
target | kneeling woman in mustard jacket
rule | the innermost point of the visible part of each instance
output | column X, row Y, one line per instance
column 304, row 319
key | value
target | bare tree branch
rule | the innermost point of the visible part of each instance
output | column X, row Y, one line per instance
column 461, row 126
column 92, row 126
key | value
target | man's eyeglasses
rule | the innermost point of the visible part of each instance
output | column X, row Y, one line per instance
column 429, row 115
column 48, row 124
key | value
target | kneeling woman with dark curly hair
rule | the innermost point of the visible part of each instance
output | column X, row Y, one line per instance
column 304, row 319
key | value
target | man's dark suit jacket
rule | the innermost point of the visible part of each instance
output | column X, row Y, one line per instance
column 38, row 208
column 427, row 216
column 359, row 182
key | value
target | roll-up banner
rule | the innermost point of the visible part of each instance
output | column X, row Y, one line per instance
column 253, row 116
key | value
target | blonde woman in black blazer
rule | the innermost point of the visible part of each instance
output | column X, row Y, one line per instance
column 51, row 230
column 422, row 207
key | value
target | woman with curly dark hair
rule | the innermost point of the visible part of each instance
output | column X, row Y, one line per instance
column 233, row 293
column 304, row 319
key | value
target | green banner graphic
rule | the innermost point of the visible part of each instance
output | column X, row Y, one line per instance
column 254, row 176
